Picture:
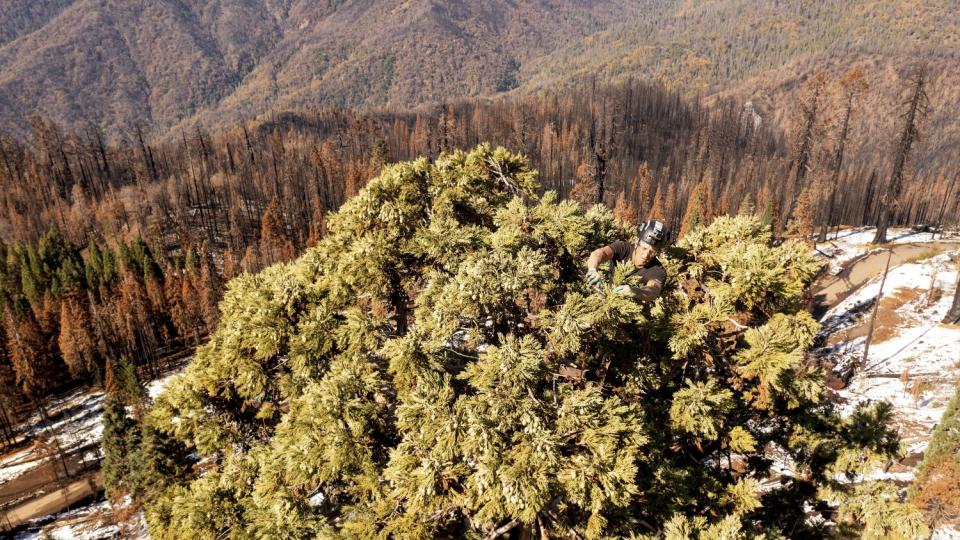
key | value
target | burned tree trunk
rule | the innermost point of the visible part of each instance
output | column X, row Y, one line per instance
column 854, row 84
column 953, row 316
column 809, row 113
column 916, row 109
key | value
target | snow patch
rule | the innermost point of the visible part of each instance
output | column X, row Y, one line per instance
column 78, row 427
column 916, row 367
column 856, row 242
column 14, row 465
column 317, row 498
column 89, row 522
column 157, row 386
column 946, row 533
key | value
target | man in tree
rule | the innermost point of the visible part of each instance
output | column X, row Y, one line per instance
column 651, row 237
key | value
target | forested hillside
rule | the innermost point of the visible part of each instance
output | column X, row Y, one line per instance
column 153, row 63
column 171, row 64
column 105, row 244
column 774, row 94
column 21, row 17
column 365, row 222
column 707, row 45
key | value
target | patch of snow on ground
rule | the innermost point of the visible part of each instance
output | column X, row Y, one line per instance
column 917, row 370
column 317, row 498
column 946, row 533
column 89, row 522
column 16, row 464
column 855, row 242
column 78, row 425
column 157, row 386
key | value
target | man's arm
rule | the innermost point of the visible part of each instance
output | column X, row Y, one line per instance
column 651, row 290
column 647, row 293
column 598, row 257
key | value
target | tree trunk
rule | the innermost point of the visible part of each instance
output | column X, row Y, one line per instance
column 938, row 226
column 601, row 175
column 6, row 426
column 873, row 316
column 398, row 300
column 953, row 316
column 837, row 164
column 907, row 137
column 45, row 419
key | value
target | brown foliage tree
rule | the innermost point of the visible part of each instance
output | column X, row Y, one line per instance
column 173, row 290
column 133, row 321
column 76, row 340
column 696, row 213
column 10, row 398
column 801, row 223
column 644, row 189
column 275, row 245
column 625, row 211
column 190, row 314
column 586, row 190
column 658, row 209
column 938, row 491
column 807, row 124
column 853, row 85
column 210, row 290
column 36, row 369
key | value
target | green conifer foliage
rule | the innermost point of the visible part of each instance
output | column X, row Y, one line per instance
column 121, row 448
column 437, row 367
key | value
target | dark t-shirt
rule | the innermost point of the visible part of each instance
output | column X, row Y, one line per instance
column 652, row 271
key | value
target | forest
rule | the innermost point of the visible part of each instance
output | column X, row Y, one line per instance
column 106, row 242
column 361, row 366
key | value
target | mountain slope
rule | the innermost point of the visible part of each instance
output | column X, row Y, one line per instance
column 703, row 45
column 877, row 121
column 116, row 63
column 19, row 17
column 164, row 62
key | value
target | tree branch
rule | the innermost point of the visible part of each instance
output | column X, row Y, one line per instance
column 497, row 532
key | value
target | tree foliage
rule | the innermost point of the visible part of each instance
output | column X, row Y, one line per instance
column 937, row 487
column 436, row 366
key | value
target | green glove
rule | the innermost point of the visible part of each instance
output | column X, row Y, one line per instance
column 621, row 289
column 594, row 280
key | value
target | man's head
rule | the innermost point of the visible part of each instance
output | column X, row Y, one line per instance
column 652, row 236
column 642, row 254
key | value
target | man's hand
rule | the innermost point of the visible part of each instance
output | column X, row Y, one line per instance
column 622, row 289
column 594, row 280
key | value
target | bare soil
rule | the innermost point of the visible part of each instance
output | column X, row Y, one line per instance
column 889, row 317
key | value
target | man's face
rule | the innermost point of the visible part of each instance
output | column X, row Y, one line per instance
column 642, row 254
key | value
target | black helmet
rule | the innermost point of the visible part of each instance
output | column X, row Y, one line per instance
column 653, row 232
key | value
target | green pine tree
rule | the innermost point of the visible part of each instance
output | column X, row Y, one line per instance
column 437, row 367
column 121, row 449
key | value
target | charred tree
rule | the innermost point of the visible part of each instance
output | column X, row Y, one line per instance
column 953, row 316
column 853, row 84
column 809, row 114
column 916, row 109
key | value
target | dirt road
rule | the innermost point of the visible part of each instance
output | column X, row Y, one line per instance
column 54, row 501
column 831, row 290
